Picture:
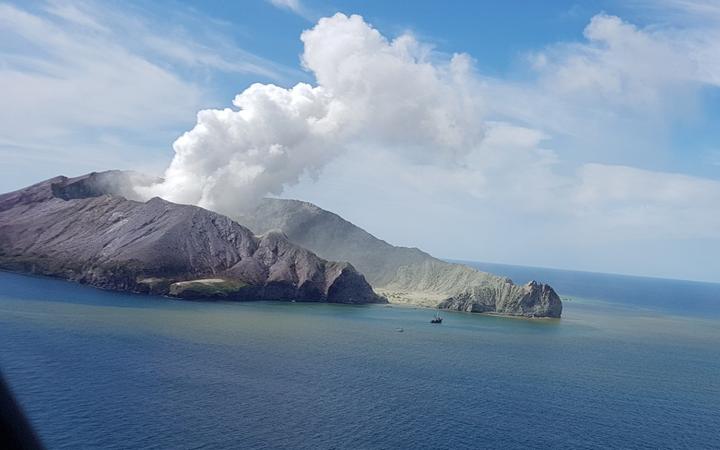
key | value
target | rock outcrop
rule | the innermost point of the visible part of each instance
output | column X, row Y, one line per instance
column 403, row 275
column 84, row 229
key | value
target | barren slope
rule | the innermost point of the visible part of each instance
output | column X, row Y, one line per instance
column 78, row 229
column 404, row 275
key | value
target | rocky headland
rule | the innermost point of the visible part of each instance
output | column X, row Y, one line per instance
column 402, row 274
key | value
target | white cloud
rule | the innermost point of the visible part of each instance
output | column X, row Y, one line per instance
column 646, row 204
column 81, row 78
column 73, row 75
column 292, row 5
column 77, row 16
column 626, row 66
column 687, row 12
column 295, row 6
column 615, row 95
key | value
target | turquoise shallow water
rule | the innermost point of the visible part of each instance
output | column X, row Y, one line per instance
column 97, row 369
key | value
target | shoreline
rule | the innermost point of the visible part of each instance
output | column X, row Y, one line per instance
column 407, row 303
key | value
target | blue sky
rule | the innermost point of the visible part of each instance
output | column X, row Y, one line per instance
column 565, row 134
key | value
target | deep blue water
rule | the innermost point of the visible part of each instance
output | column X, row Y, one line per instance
column 96, row 369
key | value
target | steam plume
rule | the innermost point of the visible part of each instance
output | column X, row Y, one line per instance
column 369, row 90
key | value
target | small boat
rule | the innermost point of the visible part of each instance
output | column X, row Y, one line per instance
column 436, row 319
column 399, row 330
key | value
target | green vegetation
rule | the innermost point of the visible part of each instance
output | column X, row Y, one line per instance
column 214, row 287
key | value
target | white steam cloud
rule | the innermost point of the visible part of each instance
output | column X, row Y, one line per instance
column 369, row 89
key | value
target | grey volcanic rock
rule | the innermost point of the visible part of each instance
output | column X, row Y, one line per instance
column 530, row 300
column 329, row 234
column 82, row 229
column 406, row 275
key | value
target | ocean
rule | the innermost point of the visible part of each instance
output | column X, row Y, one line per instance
column 633, row 363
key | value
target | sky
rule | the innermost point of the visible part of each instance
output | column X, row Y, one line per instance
column 577, row 135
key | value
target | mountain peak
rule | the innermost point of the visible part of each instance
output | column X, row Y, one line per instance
column 84, row 230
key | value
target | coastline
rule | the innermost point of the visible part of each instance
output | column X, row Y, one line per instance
column 417, row 301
